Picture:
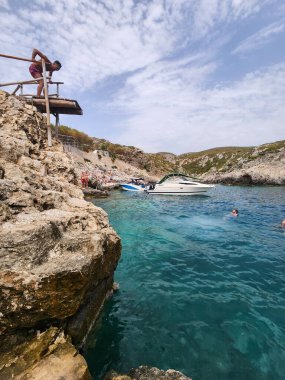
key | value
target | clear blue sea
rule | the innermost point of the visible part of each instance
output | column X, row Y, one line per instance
column 200, row 291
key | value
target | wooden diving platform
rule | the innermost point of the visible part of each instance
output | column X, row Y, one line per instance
column 49, row 104
column 57, row 105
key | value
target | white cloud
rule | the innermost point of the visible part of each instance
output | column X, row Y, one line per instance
column 95, row 40
column 171, row 109
column 99, row 39
column 4, row 4
column 261, row 37
column 208, row 14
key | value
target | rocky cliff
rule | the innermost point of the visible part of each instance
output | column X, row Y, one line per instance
column 261, row 165
column 58, row 252
column 154, row 163
column 258, row 165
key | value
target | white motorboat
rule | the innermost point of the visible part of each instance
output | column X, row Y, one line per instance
column 178, row 184
column 135, row 184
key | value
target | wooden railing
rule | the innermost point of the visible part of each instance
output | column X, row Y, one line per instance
column 35, row 81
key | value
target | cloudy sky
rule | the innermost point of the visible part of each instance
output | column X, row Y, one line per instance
column 163, row 75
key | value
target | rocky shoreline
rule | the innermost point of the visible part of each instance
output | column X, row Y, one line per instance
column 147, row 373
column 259, row 165
column 58, row 253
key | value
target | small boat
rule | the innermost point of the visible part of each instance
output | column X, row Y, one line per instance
column 134, row 185
column 178, row 184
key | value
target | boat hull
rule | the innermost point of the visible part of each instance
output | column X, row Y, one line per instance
column 131, row 187
column 180, row 190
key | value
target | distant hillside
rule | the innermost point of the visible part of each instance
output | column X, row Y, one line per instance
column 154, row 163
column 225, row 164
column 244, row 165
column 222, row 160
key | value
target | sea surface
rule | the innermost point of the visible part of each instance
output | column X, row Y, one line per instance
column 200, row 291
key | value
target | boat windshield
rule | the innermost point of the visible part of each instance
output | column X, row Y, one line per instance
column 177, row 179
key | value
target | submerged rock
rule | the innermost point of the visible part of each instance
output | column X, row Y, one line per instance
column 95, row 193
column 147, row 373
column 58, row 252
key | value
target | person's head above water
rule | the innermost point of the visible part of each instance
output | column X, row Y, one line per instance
column 283, row 223
column 235, row 212
column 56, row 65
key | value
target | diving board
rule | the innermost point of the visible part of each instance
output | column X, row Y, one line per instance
column 49, row 104
column 56, row 105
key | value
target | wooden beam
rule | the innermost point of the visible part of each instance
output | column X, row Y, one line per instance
column 47, row 102
column 16, row 89
column 56, row 102
column 32, row 81
column 57, row 105
column 18, row 58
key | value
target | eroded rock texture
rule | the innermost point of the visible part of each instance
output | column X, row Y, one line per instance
column 57, row 251
column 147, row 373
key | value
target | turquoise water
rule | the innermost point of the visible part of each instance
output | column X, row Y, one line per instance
column 200, row 291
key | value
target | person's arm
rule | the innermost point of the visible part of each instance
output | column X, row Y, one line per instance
column 40, row 54
column 50, row 75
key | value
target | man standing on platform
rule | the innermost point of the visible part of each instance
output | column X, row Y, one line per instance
column 36, row 68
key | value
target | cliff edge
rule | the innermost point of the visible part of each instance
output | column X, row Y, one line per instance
column 58, row 252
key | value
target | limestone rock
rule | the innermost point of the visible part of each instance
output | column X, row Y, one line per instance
column 58, row 252
column 258, row 172
column 46, row 355
column 95, row 193
column 147, row 373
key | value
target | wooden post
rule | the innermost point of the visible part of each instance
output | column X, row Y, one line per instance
column 56, row 124
column 47, row 102
column 16, row 89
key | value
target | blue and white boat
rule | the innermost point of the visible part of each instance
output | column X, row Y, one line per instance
column 134, row 185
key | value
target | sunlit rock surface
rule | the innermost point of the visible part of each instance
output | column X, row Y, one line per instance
column 147, row 373
column 58, row 252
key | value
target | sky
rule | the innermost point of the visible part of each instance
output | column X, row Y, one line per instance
column 163, row 75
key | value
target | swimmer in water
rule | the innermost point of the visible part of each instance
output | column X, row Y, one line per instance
column 283, row 223
column 234, row 212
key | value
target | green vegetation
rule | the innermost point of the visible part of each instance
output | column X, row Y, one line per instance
column 85, row 142
column 273, row 147
column 215, row 151
column 225, row 159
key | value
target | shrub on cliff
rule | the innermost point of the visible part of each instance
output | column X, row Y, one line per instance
column 85, row 141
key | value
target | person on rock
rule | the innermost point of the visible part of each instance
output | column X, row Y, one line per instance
column 36, row 69
column 86, row 179
column 83, row 180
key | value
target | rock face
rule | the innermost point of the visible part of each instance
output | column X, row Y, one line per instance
column 47, row 355
column 58, row 252
column 147, row 373
column 261, row 165
column 268, row 169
